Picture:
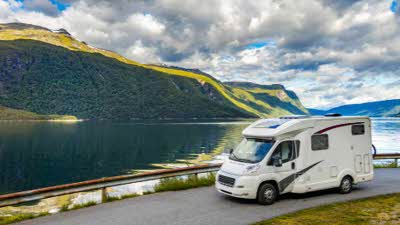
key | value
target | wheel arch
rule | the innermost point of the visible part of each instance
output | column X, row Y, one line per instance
column 273, row 182
column 344, row 173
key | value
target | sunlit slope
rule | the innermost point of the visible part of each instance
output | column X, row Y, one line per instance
column 15, row 114
column 246, row 100
column 14, row 31
column 272, row 100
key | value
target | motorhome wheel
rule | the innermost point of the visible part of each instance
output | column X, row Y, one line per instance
column 267, row 194
column 346, row 185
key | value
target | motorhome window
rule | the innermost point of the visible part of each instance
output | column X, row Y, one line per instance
column 358, row 129
column 285, row 150
column 251, row 150
column 319, row 142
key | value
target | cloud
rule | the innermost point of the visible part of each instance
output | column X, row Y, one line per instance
column 44, row 6
column 322, row 49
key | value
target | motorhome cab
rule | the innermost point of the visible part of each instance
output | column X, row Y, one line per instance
column 298, row 154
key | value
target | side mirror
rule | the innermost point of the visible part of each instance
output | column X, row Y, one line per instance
column 277, row 161
column 230, row 151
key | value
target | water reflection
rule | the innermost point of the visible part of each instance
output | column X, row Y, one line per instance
column 34, row 155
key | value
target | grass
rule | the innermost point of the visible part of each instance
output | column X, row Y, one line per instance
column 116, row 198
column 87, row 204
column 175, row 184
column 16, row 114
column 386, row 165
column 382, row 210
column 20, row 217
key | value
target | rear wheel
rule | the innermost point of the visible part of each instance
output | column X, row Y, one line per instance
column 267, row 194
column 346, row 185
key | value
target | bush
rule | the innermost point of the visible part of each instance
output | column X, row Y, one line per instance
column 174, row 184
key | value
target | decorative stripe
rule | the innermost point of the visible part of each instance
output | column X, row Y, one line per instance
column 285, row 182
column 336, row 126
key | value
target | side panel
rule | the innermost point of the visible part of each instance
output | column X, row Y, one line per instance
column 358, row 163
column 361, row 144
column 342, row 156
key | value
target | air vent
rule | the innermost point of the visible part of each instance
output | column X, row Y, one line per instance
column 292, row 117
column 333, row 115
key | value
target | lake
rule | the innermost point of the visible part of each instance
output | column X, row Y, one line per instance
column 40, row 154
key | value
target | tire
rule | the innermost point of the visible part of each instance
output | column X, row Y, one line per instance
column 267, row 194
column 346, row 185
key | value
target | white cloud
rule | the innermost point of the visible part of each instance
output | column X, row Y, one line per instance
column 44, row 6
column 142, row 53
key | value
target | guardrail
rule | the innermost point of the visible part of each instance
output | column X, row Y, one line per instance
column 102, row 184
column 394, row 156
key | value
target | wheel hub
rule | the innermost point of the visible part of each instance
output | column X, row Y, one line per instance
column 346, row 185
column 268, row 194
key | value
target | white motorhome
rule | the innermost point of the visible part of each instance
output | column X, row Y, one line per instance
column 298, row 154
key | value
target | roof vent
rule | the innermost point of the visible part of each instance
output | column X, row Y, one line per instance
column 292, row 117
column 333, row 115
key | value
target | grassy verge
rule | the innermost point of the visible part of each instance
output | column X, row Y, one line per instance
column 383, row 210
column 112, row 198
column 175, row 184
column 20, row 217
column 386, row 165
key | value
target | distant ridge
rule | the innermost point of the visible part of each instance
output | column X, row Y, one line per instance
column 386, row 108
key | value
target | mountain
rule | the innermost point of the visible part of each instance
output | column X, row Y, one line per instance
column 274, row 99
column 50, row 72
column 373, row 109
column 317, row 111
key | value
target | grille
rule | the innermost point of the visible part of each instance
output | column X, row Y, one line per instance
column 227, row 181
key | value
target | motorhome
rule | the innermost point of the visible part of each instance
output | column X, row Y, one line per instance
column 298, row 154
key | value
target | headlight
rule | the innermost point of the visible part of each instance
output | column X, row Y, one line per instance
column 252, row 168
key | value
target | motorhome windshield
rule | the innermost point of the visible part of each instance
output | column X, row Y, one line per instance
column 251, row 150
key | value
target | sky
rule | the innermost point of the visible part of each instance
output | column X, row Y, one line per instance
column 329, row 52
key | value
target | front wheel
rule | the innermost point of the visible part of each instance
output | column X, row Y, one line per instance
column 346, row 185
column 267, row 194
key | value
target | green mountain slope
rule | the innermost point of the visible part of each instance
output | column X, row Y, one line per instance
column 52, row 73
column 274, row 99
column 47, row 79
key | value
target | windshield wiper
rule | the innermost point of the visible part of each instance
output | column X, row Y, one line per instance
column 234, row 157
column 246, row 160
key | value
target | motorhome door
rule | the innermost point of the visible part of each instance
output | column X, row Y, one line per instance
column 286, row 150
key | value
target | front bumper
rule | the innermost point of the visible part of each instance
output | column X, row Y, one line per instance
column 244, row 187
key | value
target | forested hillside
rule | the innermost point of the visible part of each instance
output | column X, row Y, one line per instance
column 49, row 72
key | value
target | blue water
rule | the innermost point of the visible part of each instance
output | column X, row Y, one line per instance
column 39, row 154
column 386, row 134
